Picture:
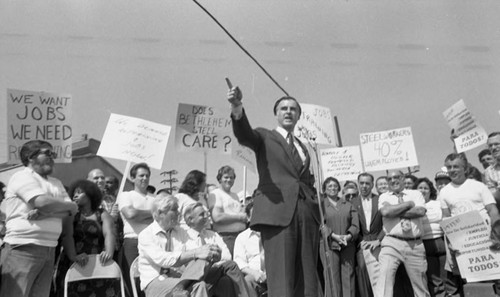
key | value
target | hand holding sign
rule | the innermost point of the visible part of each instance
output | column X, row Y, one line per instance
column 234, row 95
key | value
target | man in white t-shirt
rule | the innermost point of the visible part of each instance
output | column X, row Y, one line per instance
column 135, row 210
column 460, row 196
column 35, row 205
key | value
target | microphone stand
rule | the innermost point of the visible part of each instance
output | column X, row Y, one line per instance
column 311, row 141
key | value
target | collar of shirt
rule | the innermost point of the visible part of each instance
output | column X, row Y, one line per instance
column 368, row 198
column 283, row 132
column 156, row 228
column 193, row 233
column 254, row 233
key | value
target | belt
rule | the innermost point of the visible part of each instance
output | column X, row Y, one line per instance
column 405, row 238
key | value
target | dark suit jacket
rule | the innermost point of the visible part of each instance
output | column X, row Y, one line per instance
column 280, row 182
column 374, row 231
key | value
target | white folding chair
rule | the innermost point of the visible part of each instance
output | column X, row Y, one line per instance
column 134, row 273
column 94, row 270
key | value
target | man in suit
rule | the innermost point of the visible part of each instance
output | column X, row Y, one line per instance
column 370, row 234
column 285, row 210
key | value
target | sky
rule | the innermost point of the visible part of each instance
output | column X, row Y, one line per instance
column 377, row 65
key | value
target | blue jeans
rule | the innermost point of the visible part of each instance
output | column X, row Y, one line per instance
column 27, row 270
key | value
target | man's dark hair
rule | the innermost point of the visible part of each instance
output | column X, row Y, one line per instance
column 483, row 153
column 31, row 148
column 275, row 109
column 366, row 174
column 151, row 189
column 493, row 134
column 412, row 177
column 133, row 170
column 460, row 156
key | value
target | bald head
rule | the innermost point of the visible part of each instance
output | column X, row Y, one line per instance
column 97, row 176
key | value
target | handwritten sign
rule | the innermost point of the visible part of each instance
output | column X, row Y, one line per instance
column 42, row 116
column 470, row 133
column 134, row 140
column 244, row 156
column 343, row 163
column 389, row 149
column 316, row 122
column 202, row 128
column 470, row 235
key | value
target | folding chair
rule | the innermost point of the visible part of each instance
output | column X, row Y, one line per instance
column 77, row 276
column 134, row 274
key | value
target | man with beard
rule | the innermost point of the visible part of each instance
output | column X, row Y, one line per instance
column 35, row 205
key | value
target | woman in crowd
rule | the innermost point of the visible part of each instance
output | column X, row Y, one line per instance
column 89, row 232
column 228, row 213
column 342, row 225
column 433, row 238
column 190, row 192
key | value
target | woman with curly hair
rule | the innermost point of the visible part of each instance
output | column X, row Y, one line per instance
column 432, row 237
column 90, row 231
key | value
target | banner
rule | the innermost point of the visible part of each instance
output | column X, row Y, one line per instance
column 42, row 116
column 134, row 140
column 343, row 163
column 244, row 156
column 316, row 123
column 470, row 133
column 202, row 128
column 389, row 149
column 470, row 235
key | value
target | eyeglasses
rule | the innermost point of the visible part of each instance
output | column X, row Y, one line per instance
column 350, row 196
column 46, row 152
column 394, row 178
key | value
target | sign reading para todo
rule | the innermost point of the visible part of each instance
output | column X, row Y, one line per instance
column 389, row 149
column 202, row 128
column 39, row 116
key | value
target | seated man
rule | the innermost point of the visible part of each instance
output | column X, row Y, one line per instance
column 166, row 265
column 223, row 278
column 249, row 255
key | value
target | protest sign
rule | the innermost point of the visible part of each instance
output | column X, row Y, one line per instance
column 202, row 128
column 389, row 149
column 39, row 116
column 470, row 133
column 343, row 163
column 470, row 235
column 134, row 140
column 244, row 156
column 316, row 123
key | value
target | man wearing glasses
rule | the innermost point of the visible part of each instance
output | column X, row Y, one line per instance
column 35, row 205
column 402, row 211
column 492, row 173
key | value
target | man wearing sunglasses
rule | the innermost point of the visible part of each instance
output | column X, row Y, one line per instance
column 35, row 205
column 402, row 211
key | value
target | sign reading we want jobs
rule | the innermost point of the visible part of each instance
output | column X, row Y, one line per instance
column 389, row 149
column 42, row 116
column 202, row 128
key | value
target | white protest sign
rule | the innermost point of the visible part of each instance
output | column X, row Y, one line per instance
column 471, row 139
column 389, row 149
column 134, row 140
column 202, row 128
column 316, row 122
column 244, row 156
column 39, row 116
column 343, row 163
column 470, row 133
column 470, row 235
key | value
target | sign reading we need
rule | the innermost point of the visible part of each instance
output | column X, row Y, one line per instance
column 39, row 115
column 134, row 140
column 388, row 149
column 202, row 128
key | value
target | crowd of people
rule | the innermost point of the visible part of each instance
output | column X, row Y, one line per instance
column 208, row 241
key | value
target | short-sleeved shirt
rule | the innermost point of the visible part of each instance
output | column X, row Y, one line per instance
column 138, row 201
column 21, row 189
column 229, row 203
column 393, row 225
column 470, row 195
column 492, row 176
